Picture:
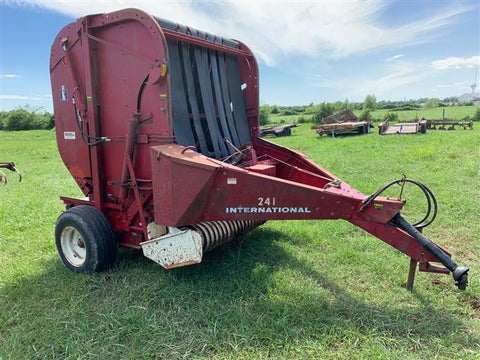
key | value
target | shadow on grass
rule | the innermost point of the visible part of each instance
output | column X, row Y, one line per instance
column 249, row 297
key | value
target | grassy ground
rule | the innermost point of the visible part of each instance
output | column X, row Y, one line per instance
column 438, row 113
column 305, row 289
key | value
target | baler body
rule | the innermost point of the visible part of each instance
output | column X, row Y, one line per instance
column 158, row 124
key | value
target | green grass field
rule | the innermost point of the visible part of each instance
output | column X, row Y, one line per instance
column 438, row 113
column 288, row 290
column 450, row 112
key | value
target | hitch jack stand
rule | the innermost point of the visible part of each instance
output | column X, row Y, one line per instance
column 411, row 274
column 460, row 273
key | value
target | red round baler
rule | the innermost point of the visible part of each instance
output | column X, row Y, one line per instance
column 158, row 123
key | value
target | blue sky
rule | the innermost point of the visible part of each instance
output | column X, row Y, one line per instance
column 308, row 51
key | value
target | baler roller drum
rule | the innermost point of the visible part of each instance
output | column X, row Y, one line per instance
column 215, row 233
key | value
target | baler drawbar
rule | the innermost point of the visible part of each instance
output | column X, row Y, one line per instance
column 158, row 124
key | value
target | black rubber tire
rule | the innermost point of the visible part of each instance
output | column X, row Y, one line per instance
column 95, row 239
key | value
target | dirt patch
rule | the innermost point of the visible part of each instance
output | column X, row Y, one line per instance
column 474, row 303
column 438, row 281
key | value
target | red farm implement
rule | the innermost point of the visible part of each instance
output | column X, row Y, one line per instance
column 158, row 125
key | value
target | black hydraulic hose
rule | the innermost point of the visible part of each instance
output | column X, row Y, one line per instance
column 425, row 221
column 140, row 93
column 86, row 137
column 460, row 273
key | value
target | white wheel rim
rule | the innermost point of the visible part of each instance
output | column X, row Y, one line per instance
column 73, row 246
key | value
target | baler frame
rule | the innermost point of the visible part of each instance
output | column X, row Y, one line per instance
column 171, row 161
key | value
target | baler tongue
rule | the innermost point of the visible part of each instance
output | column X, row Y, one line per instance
column 460, row 273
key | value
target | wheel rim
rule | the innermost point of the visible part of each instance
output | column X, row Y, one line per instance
column 73, row 246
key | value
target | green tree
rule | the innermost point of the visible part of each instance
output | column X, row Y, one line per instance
column 476, row 116
column 19, row 119
column 366, row 116
column 370, row 102
column 3, row 118
column 392, row 117
column 264, row 113
column 432, row 103
column 324, row 110
column 26, row 118
column 338, row 106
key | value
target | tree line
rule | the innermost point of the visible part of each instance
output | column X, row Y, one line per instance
column 26, row 118
column 316, row 112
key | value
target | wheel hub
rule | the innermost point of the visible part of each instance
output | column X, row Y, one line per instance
column 73, row 246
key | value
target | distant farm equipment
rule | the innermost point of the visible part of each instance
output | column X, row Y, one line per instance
column 385, row 128
column 278, row 130
column 9, row 166
column 343, row 122
column 449, row 124
column 359, row 127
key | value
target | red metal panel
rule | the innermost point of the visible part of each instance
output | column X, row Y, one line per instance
column 182, row 183
column 225, row 192
column 106, row 61
column 67, row 80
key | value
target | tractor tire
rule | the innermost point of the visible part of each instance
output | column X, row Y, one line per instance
column 85, row 240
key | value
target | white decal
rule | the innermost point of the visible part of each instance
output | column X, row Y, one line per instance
column 267, row 210
column 266, row 201
column 231, row 181
column 63, row 93
column 69, row 135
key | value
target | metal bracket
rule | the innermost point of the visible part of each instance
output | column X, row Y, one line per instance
column 177, row 248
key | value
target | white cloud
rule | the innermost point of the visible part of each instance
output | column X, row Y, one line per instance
column 455, row 85
column 392, row 78
column 10, row 76
column 17, row 97
column 273, row 29
column 395, row 57
column 456, row 63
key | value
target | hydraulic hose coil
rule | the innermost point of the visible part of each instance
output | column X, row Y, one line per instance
column 432, row 206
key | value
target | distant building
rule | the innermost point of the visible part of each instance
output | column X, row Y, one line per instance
column 469, row 97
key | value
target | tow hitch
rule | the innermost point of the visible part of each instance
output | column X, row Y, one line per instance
column 460, row 273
